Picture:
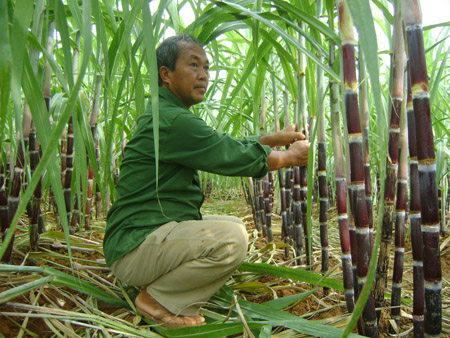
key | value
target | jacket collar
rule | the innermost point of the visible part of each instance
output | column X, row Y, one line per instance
column 168, row 95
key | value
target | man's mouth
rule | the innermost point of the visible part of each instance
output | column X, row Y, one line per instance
column 201, row 88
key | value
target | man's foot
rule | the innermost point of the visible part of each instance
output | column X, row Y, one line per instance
column 148, row 306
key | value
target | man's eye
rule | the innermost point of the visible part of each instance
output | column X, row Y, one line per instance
column 194, row 64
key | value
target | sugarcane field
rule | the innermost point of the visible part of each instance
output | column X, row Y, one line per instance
column 224, row 168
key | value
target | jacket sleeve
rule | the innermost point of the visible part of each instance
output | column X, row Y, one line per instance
column 192, row 143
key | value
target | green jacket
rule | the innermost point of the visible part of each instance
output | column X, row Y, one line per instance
column 186, row 144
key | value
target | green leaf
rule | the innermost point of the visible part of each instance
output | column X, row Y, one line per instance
column 278, row 318
column 24, row 288
column 281, row 303
column 78, row 284
column 207, row 331
column 5, row 65
column 294, row 274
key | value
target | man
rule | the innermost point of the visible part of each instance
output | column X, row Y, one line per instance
column 156, row 237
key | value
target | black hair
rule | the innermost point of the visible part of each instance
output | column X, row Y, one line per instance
column 168, row 51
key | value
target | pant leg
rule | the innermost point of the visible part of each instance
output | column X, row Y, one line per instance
column 223, row 218
column 185, row 263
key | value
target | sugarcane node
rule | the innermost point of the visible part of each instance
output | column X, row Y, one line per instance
column 428, row 162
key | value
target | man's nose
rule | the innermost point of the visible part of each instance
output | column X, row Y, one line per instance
column 203, row 74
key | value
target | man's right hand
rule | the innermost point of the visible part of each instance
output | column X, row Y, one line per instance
column 298, row 152
column 295, row 155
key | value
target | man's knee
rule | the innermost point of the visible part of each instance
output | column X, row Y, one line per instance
column 238, row 237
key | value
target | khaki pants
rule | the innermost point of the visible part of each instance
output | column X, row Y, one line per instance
column 183, row 264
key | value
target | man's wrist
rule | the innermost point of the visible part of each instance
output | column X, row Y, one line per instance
column 278, row 159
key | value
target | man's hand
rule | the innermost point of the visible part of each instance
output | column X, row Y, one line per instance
column 283, row 137
column 296, row 155
column 298, row 152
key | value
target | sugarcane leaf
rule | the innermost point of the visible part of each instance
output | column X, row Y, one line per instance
column 265, row 332
column 386, row 12
column 282, row 33
column 74, row 10
column 252, row 287
column 22, row 16
column 39, row 113
column 56, row 68
column 78, row 284
column 49, row 139
column 289, row 273
column 226, row 27
column 20, row 268
column 63, row 29
column 278, row 317
column 208, row 330
column 442, row 24
column 273, row 246
column 150, row 59
column 24, row 288
column 281, row 303
column 100, row 28
column 437, row 79
column 5, row 65
column 252, row 60
column 172, row 9
column 122, row 36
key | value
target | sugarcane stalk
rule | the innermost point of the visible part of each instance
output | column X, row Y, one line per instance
column 75, row 216
column 93, row 124
column 14, row 197
column 290, row 208
column 89, row 195
column 439, row 190
column 36, row 204
column 397, row 71
column 26, row 129
column 97, row 198
column 289, row 181
column 341, row 186
column 365, row 122
column 265, row 190
column 415, row 220
column 297, row 214
column 448, row 195
column 426, row 168
column 271, row 187
column 268, row 208
column 258, row 221
column 303, row 177
column 357, row 198
column 275, row 100
column 300, row 120
column 70, row 146
column 321, row 167
column 37, row 225
column 69, row 170
column 284, row 221
column 63, row 163
column 4, row 219
column 262, row 215
column 400, row 219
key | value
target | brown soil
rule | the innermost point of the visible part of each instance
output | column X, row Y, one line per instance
column 316, row 306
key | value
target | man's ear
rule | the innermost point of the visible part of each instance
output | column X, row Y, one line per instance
column 164, row 73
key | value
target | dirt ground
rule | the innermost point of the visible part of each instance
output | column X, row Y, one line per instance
column 317, row 306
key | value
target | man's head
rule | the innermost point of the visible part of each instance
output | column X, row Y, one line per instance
column 183, row 68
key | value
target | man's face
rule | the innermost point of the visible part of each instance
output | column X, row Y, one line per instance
column 189, row 80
